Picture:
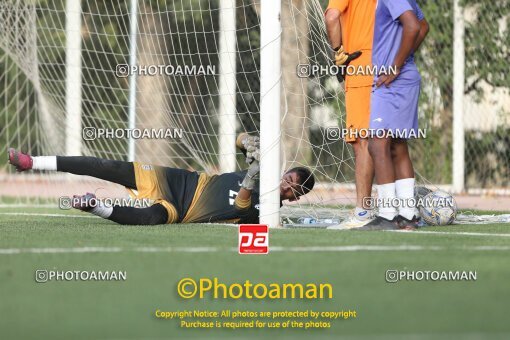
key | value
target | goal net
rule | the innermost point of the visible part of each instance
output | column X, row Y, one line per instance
column 64, row 90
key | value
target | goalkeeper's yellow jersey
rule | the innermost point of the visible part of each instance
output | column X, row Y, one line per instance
column 190, row 197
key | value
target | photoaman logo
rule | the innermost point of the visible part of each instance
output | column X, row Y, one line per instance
column 253, row 239
column 188, row 288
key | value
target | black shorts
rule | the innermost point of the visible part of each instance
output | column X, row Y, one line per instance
column 170, row 187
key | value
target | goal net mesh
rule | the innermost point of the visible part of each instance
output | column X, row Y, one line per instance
column 180, row 33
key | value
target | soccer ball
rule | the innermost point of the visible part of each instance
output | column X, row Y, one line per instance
column 438, row 208
column 420, row 192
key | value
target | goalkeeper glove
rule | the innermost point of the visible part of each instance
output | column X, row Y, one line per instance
column 251, row 144
column 342, row 60
column 252, row 153
column 251, row 176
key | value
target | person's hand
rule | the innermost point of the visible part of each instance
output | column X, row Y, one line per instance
column 252, row 154
column 252, row 145
column 251, row 141
column 251, row 176
column 387, row 79
column 342, row 59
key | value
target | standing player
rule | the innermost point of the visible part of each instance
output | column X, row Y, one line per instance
column 179, row 196
column 400, row 28
column 350, row 26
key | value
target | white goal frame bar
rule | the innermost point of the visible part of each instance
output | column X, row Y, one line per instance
column 458, row 160
column 270, row 115
column 227, row 116
column 73, row 128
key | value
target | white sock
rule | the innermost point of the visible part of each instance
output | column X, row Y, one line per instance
column 405, row 192
column 361, row 214
column 386, row 193
column 101, row 210
column 44, row 163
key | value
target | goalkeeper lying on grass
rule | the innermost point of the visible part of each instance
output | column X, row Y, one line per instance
column 179, row 196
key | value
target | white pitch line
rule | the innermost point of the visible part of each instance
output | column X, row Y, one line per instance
column 351, row 248
column 92, row 216
column 8, row 251
column 462, row 233
column 46, row 215
column 176, row 250
column 413, row 232
column 30, row 206
column 356, row 248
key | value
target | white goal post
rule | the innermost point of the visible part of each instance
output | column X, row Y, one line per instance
column 458, row 163
column 73, row 79
column 270, row 116
column 227, row 85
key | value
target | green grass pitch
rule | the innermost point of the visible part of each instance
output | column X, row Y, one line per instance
column 125, row 310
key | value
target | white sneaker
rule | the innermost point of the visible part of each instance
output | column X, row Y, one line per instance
column 351, row 223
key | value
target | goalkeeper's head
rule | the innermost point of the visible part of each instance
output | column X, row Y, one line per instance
column 295, row 183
